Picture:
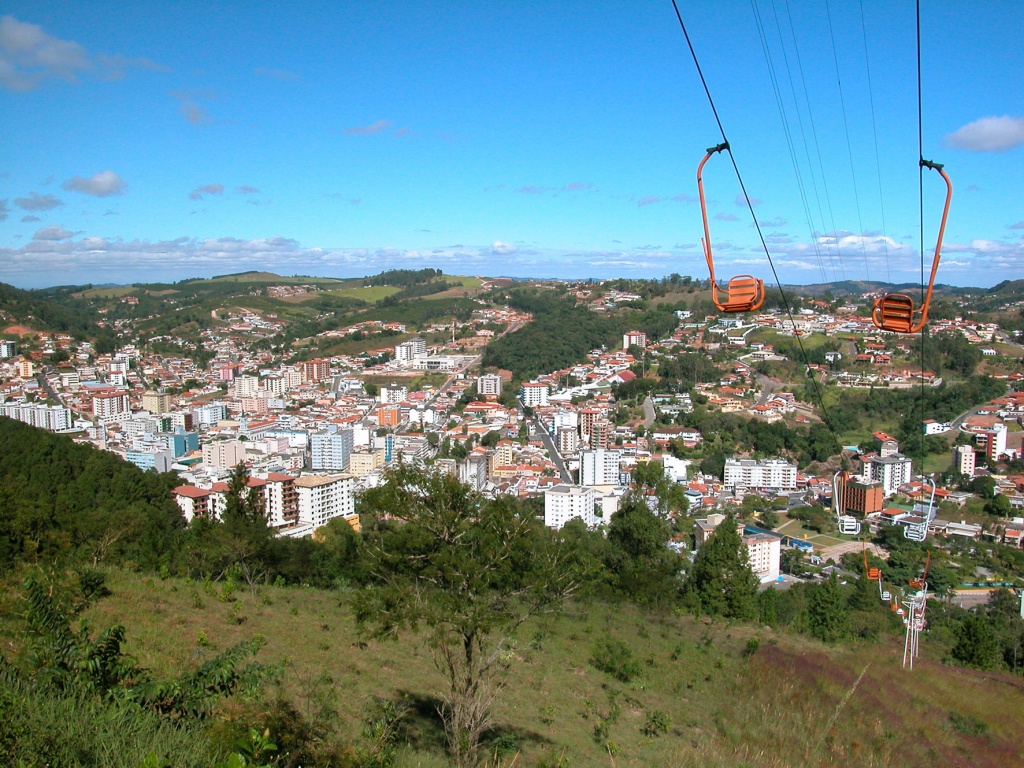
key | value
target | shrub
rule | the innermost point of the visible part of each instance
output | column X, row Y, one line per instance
column 615, row 658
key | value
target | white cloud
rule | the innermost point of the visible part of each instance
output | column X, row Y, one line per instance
column 37, row 202
column 102, row 184
column 191, row 107
column 5, row 210
column 29, row 57
column 377, row 127
column 741, row 201
column 245, row 189
column 30, row 218
column 989, row 134
column 981, row 247
column 208, row 189
column 56, row 232
column 726, row 217
column 502, row 249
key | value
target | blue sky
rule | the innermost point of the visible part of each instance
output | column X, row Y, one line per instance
column 147, row 141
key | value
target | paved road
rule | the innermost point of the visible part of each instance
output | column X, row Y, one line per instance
column 648, row 411
column 537, row 430
column 767, row 386
column 45, row 384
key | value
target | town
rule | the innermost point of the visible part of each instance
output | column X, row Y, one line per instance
column 314, row 433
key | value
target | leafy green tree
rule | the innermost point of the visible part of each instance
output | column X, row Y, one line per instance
column 471, row 572
column 976, row 643
column 827, row 612
column 643, row 566
column 998, row 506
column 984, row 486
column 649, row 476
column 720, row 582
column 864, row 596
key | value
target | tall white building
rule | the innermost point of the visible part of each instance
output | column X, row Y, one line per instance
column 634, row 339
column 770, row 474
column 209, row 413
column 224, row 454
column 324, row 497
column 568, row 440
column 891, row 471
column 964, row 460
column 533, row 394
column 488, row 385
column 52, row 417
column 563, row 503
column 600, row 467
column 331, row 450
column 764, row 553
column 246, row 386
column 393, row 394
column 413, row 349
column 112, row 406
column 8, row 349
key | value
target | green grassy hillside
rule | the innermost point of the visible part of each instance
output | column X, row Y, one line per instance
column 707, row 694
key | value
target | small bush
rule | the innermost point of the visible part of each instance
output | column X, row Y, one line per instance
column 615, row 658
column 967, row 725
column 656, row 724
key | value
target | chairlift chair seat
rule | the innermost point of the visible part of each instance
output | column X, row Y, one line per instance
column 894, row 312
column 745, row 293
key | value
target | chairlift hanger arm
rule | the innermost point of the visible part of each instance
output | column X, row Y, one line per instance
column 744, row 293
column 938, row 241
column 897, row 312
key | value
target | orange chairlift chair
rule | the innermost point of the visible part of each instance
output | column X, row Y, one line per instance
column 921, row 582
column 872, row 574
column 744, row 293
column 896, row 312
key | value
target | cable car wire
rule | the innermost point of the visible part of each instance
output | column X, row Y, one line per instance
column 743, row 189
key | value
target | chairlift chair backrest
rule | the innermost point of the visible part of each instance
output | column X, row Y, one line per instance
column 896, row 312
column 744, row 293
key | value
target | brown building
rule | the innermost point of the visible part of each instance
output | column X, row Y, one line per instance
column 316, row 370
column 389, row 416
column 860, row 497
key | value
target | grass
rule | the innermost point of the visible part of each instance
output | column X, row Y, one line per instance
column 115, row 292
column 770, row 336
column 270, row 277
column 371, row 293
column 790, row 702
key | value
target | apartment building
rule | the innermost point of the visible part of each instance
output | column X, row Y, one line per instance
column 331, row 450
column 769, row 474
column 322, row 498
column 600, row 467
column 563, row 503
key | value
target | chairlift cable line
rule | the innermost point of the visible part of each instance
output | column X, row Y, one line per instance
column 785, row 125
column 817, row 146
column 920, row 209
column 849, row 144
column 803, row 137
column 780, row 103
column 743, row 189
column 874, row 135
